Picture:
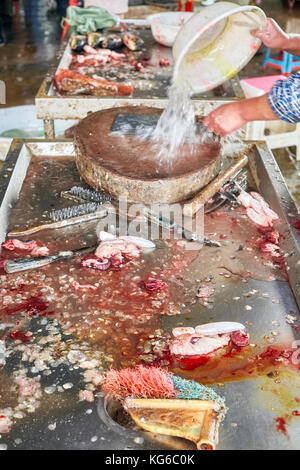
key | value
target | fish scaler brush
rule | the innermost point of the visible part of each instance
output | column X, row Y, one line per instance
column 76, row 193
column 93, row 208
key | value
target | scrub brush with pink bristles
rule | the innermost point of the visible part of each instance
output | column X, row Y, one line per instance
column 154, row 382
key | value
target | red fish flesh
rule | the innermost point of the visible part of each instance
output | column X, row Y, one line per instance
column 68, row 81
column 78, row 286
column 118, row 250
column 153, row 285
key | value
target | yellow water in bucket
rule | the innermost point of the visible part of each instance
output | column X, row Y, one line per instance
column 215, row 44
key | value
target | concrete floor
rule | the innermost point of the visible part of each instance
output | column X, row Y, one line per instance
column 33, row 39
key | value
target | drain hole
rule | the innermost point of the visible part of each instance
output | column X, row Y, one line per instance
column 117, row 413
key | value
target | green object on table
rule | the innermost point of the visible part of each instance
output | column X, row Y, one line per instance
column 191, row 390
column 84, row 20
column 15, row 134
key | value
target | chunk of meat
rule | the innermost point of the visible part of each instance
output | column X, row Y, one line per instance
column 204, row 292
column 96, row 263
column 208, row 338
column 258, row 218
column 117, row 250
column 68, row 81
column 257, row 209
column 271, row 248
column 239, row 339
column 192, row 345
column 153, row 285
column 164, row 62
column 112, row 252
column 32, row 246
column 78, row 286
column 273, row 237
column 264, row 206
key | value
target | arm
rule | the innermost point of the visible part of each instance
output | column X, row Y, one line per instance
column 230, row 117
column 274, row 37
column 282, row 102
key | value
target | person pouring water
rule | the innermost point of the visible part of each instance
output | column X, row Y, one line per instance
column 283, row 100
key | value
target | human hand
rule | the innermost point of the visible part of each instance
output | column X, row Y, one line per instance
column 225, row 119
column 273, row 36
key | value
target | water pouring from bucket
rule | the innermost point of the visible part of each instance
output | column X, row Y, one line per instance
column 210, row 48
column 215, row 44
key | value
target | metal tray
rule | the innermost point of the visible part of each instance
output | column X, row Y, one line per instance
column 252, row 403
column 50, row 106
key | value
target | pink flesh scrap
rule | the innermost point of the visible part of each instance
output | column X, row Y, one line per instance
column 78, row 286
column 195, row 345
column 33, row 247
column 204, row 292
column 265, row 206
column 257, row 209
column 5, row 424
column 258, row 218
column 96, row 263
column 117, row 249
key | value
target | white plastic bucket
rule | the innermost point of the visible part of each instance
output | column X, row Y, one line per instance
column 215, row 44
column 165, row 26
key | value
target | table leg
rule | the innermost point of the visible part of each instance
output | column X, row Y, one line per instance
column 49, row 129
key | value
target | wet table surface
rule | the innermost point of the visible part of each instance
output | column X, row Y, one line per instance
column 77, row 334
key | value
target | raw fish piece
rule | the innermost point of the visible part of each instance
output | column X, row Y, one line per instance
column 265, row 206
column 218, row 328
column 154, row 285
column 96, row 263
column 257, row 209
column 207, row 338
column 239, row 339
column 193, row 345
column 33, row 247
column 132, row 41
column 68, row 81
column 204, row 292
column 139, row 241
column 78, row 286
column 258, row 218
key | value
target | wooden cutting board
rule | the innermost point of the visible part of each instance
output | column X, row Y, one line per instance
column 125, row 166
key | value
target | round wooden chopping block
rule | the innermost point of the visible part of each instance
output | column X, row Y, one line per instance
column 126, row 166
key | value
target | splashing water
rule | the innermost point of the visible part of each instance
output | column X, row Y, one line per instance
column 177, row 129
column 177, row 126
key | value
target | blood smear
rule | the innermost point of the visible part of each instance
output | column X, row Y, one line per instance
column 281, row 425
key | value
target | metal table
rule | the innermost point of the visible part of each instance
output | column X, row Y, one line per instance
column 50, row 106
column 253, row 403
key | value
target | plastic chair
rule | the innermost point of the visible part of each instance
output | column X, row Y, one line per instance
column 285, row 62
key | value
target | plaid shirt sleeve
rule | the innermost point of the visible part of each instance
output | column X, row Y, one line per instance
column 284, row 98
